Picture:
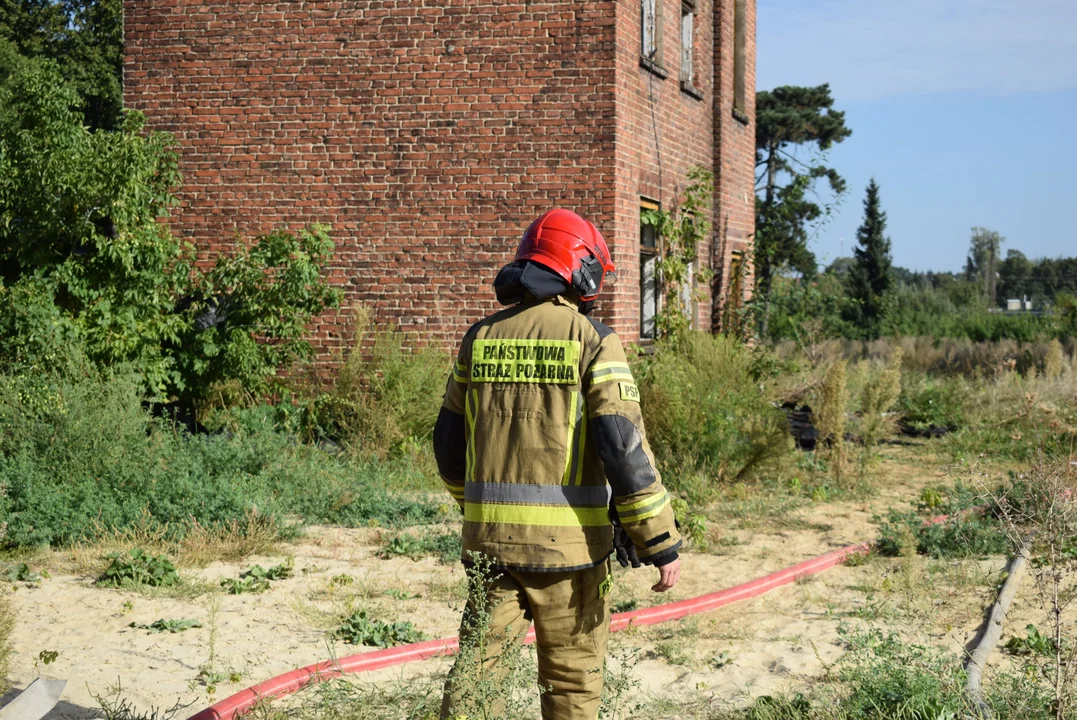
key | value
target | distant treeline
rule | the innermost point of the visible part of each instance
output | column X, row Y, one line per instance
column 938, row 304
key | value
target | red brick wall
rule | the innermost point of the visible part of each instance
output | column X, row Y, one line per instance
column 662, row 132
column 430, row 135
column 734, row 158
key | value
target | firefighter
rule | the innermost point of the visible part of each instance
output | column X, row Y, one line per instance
column 540, row 440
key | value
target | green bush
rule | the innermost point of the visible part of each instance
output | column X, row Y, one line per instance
column 386, row 396
column 82, row 231
column 137, row 567
column 706, row 417
column 445, row 546
column 358, row 629
column 933, row 403
column 961, row 536
column 94, row 460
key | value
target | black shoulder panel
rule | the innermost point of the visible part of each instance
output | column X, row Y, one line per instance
column 620, row 448
column 450, row 445
column 602, row 330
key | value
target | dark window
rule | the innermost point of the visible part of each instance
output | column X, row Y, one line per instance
column 648, row 271
column 740, row 30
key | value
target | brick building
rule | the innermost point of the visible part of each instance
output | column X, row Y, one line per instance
column 430, row 134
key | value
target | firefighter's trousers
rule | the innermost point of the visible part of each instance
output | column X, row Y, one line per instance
column 572, row 621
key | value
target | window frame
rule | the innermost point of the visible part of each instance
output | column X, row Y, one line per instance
column 740, row 60
column 648, row 255
column 688, row 54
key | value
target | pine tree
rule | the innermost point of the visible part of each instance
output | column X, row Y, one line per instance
column 870, row 276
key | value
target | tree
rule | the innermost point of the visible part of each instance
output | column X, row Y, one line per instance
column 789, row 118
column 870, row 277
column 83, row 37
column 982, row 262
column 83, row 246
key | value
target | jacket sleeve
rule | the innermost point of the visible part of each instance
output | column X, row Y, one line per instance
column 450, row 431
column 616, row 427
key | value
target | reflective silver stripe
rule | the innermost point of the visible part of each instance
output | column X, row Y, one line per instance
column 612, row 371
column 572, row 495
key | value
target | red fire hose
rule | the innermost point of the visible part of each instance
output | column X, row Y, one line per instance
column 240, row 703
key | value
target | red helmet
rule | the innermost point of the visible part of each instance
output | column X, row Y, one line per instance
column 570, row 246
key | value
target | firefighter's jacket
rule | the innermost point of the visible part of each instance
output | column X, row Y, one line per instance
column 540, row 410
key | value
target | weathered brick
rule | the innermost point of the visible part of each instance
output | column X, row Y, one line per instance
column 429, row 136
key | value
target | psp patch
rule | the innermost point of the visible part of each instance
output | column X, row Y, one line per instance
column 629, row 392
column 605, row 585
column 525, row 361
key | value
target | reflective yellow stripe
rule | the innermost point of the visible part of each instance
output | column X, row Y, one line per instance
column 623, row 377
column 640, row 503
column 583, row 439
column 472, row 398
column 570, row 447
column 548, row 515
column 462, row 379
column 646, row 514
column 457, row 491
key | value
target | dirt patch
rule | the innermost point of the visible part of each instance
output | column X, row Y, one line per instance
column 778, row 641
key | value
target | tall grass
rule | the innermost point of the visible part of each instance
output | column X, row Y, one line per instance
column 93, row 460
column 707, row 416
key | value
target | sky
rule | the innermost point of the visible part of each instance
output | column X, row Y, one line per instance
column 964, row 111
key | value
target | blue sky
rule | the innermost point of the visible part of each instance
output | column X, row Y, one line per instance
column 965, row 112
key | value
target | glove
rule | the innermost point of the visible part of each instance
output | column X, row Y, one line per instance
column 623, row 546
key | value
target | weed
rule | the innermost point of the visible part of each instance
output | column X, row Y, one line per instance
column 358, row 629
column 445, row 546
column 625, row 606
column 398, row 594
column 961, row 536
column 706, row 416
column 137, row 568
column 99, row 463
column 1034, row 643
column 169, row 626
column 20, row 572
column 830, row 420
column 257, row 578
column 673, row 652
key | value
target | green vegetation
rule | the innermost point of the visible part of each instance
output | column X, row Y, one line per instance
column 445, row 546
column 168, row 626
column 136, row 568
column 707, row 419
column 359, row 629
column 89, row 276
column 257, row 579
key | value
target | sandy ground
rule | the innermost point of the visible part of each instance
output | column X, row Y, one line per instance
column 773, row 643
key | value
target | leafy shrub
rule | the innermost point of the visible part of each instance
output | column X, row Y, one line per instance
column 1034, row 643
column 386, row 396
column 962, row 535
column 136, row 568
column 928, row 404
column 257, row 578
column 706, row 417
column 81, row 230
column 94, row 461
column 446, row 547
column 358, row 629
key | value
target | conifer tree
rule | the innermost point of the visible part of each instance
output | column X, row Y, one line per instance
column 870, row 275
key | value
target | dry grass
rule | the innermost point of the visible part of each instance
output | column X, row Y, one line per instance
column 7, row 626
column 198, row 547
